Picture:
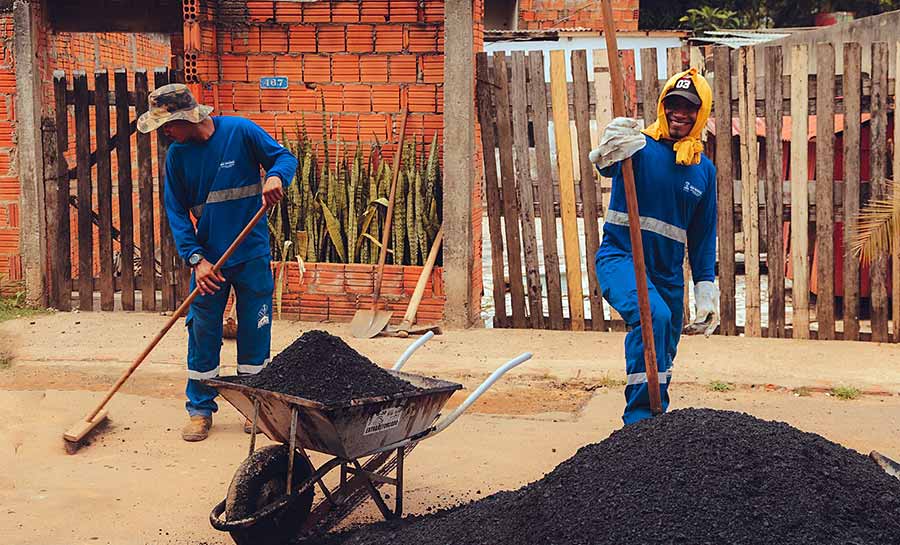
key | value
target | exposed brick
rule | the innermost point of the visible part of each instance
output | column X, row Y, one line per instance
column 274, row 100
column 261, row 11
column 332, row 39
column 374, row 68
column 434, row 11
column 302, row 98
column 234, row 68
column 404, row 11
column 432, row 68
column 345, row 68
column 347, row 127
column 373, row 127
column 260, row 66
column 245, row 41
column 291, row 67
column 316, row 68
column 246, row 97
column 374, row 11
column 385, row 98
column 317, row 12
column 388, row 38
column 402, row 69
column 357, row 98
column 334, row 97
column 345, row 11
column 302, row 39
column 360, row 38
column 288, row 12
column 422, row 39
column 264, row 120
column 273, row 40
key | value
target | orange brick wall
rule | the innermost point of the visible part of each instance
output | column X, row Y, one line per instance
column 538, row 14
column 10, row 262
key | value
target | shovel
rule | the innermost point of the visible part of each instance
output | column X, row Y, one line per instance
column 80, row 429
column 406, row 326
column 367, row 323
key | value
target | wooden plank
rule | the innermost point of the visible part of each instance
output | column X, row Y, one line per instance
column 537, row 97
column 825, row 68
column 126, row 190
column 49, row 155
column 649, row 81
column 852, row 130
column 725, row 193
column 566, row 188
column 104, row 190
column 799, row 199
column 895, row 256
column 491, row 187
column 508, row 190
column 603, row 113
column 750, row 195
column 588, row 186
column 626, row 57
column 62, row 252
column 773, row 192
column 85, row 192
column 878, row 157
column 167, row 243
column 525, row 188
column 674, row 63
column 145, row 194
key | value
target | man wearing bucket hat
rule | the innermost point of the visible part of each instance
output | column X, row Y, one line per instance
column 213, row 174
column 676, row 193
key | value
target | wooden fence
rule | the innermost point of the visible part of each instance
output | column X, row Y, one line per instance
column 144, row 248
column 761, row 197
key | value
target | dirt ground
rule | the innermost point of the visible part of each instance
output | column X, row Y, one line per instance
column 138, row 482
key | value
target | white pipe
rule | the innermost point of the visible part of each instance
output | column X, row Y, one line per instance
column 442, row 425
column 412, row 348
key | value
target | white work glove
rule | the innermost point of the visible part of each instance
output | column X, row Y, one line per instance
column 706, row 301
column 621, row 139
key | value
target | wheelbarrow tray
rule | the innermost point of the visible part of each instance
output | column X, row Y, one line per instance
column 346, row 430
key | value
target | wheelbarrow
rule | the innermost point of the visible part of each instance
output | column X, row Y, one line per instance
column 270, row 499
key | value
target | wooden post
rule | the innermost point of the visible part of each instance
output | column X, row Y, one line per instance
column 145, row 192
column 649, row 83
column 85, row 192
column 725, row 189
column 588, row 185
column 126, row 190
column 537, row 97
column 104, row 189
column 774, row 197
column 878, row 158
column 491, row 187
column 825, row 190
column 48, row 149
column 62, row 251
column 508, row 192
column 750, row 190
column 571, row 245
column 166, row 242
column 895, row 257
column 852, row 95
column 799, row 188
column 525, row 188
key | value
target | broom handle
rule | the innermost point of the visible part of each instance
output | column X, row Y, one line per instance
column 634, row 221
column 179, row 312
column 385, row 234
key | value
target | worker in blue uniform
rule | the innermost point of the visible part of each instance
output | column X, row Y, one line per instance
column 213, row 174
column 676, row 193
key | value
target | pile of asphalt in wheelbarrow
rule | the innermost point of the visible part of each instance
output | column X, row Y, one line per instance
column 693, row 476
column 321, row 367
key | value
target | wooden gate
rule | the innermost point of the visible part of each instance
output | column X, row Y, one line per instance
column 793, row 162
column 108, row 233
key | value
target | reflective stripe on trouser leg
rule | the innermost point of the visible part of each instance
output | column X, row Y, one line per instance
column 204, row 325
column 253, row 287
column 619, row 289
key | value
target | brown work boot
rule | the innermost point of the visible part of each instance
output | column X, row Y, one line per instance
column 197, row 429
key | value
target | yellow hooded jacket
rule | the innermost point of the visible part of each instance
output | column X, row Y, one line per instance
column 689, row 148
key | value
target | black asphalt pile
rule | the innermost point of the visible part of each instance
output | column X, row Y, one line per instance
column 321, row 367
column 693, row 476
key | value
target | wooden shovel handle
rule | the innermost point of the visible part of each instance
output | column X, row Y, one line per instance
column 410, row 317
column 634, row 221
column 179, row 312
column 386, row 232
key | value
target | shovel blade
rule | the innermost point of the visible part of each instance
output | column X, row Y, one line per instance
column 368, row 323
column 889, row 466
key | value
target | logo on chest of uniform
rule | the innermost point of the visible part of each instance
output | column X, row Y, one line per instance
column 226, row 164
column 688, row 187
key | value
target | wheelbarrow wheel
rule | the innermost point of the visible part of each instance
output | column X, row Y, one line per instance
column 259, row 481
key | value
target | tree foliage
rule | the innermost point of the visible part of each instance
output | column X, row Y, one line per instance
column 706, row 15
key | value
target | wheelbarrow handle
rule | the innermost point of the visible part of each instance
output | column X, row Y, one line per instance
column 473, row 397
column 412, row 348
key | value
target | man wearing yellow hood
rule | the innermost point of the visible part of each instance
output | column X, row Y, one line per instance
column 676, row 192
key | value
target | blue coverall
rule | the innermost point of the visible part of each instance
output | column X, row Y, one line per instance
column 677, row 206
column 218, row 182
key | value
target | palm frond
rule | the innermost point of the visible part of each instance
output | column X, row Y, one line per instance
column 876, row 229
